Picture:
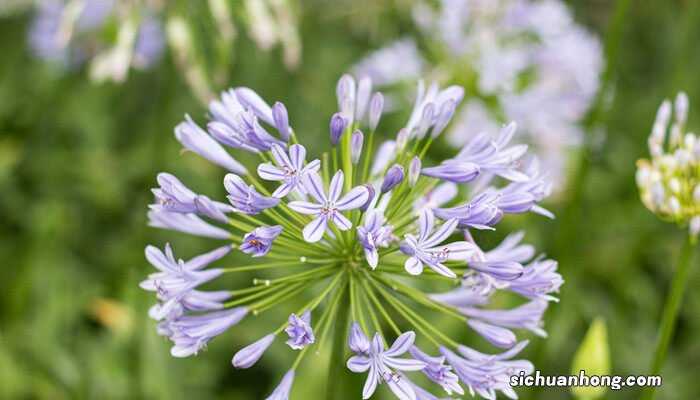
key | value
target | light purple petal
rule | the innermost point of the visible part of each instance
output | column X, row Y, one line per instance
column 359, row 363
column 314, row 230
column 336, row 186
column 414, row 266
column 353, row 199
column 314, row 185
column 305, row 207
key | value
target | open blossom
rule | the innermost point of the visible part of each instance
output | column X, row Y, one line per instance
column 529, row 60
column 380, row 364
column 259, row 240
column 374, row 234
column 427, row 248
column 299, row 331
column 328, row 206
column 303, row 248
column 290, row 169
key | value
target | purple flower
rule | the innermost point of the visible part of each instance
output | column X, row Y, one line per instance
column 356, row 146
column 492, row 156
column 282, row 390
column 197, row 140
column 290, row 168
column 446, row 112
column 279, row 114
column 480, row 213
column 338, row 125
column 432, row 98
column 173, row 196
column 249, row 355
column 177, row 279
column 522, row 196
column 497, row 335
column 299, row 331
column 461, row 172
column 250, row 99
column 187, row 223
column 246, row 133
column 260, row 240
column 190, row 333
column 437, row 371
column 327, row 207
column 527, row 316
column 394, row 176
column 380, row 362
column 373, row 235
column 414, row 168
column 539, row 278
column 375, row 111
column 426, row 249
column 358, row 341
column 149, row 44
column 245, row 199
column 485, row 374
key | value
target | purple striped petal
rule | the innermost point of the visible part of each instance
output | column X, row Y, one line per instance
column 336, row 186
column 500, row 337
column 270, row 173
column 414, row 266
column 442, row 233
column 341, row 221
column 314, row 186
column 426, row 220
column 314, row 230
column 359, row 363
column 353, row 199
column 401, row 344
column 305, row 207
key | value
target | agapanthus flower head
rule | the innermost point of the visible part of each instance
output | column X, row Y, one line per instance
column 529, row 62
column 69, row 33
column 669, row 183
column 345, row 248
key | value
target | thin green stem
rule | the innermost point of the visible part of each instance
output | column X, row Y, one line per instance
column 337, row 362
column 670, row 313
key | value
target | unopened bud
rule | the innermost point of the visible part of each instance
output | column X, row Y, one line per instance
column 413, row 171
column 356, row 146
column 338, row 125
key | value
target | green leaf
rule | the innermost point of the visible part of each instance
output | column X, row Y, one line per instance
column 593, row 358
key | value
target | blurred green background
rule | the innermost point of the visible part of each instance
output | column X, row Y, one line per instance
column 77, row 161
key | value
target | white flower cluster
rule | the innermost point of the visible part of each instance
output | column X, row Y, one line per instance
column 669, row 183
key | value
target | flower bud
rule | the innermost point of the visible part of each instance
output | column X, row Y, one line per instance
column 279, row 114
column 358, row 341
column 338, row 125
column 401, row 140
column 393, row 177
column 364, row 90
column 370, row 190
column 375, row 110
column 345, row 88
column 426, row 121
column 681, row 105
column 413, row 171
column 249, row 355
column 446, row 113
column 356, row 146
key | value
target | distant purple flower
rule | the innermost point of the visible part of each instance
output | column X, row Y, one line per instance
column 245, row 133
column 380, row 362
column 290, row 168
column 249, row 355
column 364, row 90
column 437, row 371
column 260, row 240
column 434, row 97
column 327, row 207
column 187, row 223
column 282, row 390
column 426, row 249
column 438, row 196
column 190, row 333
column 393, row 177
column 245, row 199
column 299, row 331
column 149, row 44
column 373, row 235
column 414, row 169
column 197, row 140
column 250, row 99
column 385, row 154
